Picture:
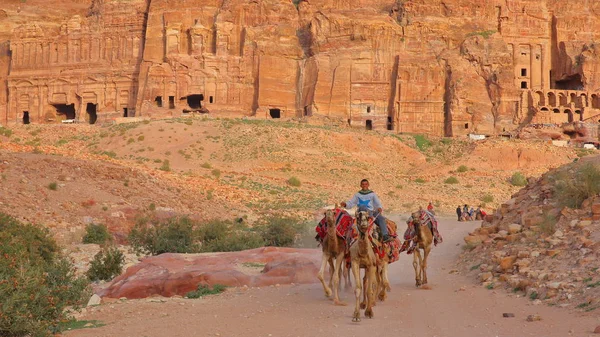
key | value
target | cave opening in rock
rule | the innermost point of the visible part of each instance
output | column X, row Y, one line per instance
column 466, row 125
column 369, row 124
column 275, row 113
column 171, row 102
column 368, row 109
column 524, row 85
column 26, row 117
column 195, row 101
column 390, row 123
column 210, row 99
column 125, row 112
column 67, row 110
column 91, row 110
column 158, row 101
column 572, row 82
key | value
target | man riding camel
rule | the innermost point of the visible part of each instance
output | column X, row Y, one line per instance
column 366, row 199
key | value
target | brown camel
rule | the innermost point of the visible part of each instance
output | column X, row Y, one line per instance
column 383, row 264
column 424, row 241
column 363, row 256
column 334, row 248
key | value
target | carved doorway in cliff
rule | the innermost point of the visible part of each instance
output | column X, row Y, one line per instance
column 66, row 110
column 569, row 115
column 369, row 124
column 158, row 101
column 390, row 123
column 275, row 113
column 26, row 117
column 195, row 101
column 91, row 110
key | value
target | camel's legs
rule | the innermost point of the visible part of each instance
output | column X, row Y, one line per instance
column 336, row 278
column 320, row 275
column 346, row 270
column 363, row 304
column 424, row 264
column 384, row 281
column 331, row 271
column 417, row 265
column 370, row 289
column 357, row 291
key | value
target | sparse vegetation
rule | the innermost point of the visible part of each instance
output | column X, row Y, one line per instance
column 216, row 173
column 152, row 206
column 5, row 132
column 548, row 224
column 37, row 284
column 140, row 138
column 462, row 168
column 485, row 33
column 280, row 231
column 422, row 142
column 571, row 190
column 74, row 324
column 107, row 264
column 420, row 181
column 204, row 290
column 518, row 179
column 96, row 233
column 206, row 165
column 293, row 181
column 487, row 198
column 451, row 180
column 533, row 295
column 53, row 186
column 166, row 166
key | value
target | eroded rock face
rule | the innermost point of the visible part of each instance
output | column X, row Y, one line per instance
column 177, row 274
column 440, row 67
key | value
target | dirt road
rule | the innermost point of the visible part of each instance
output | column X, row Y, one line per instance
column 302, row 310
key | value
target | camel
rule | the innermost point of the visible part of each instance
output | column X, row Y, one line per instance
column 334, row 248
column 363, row 256
column 424, row 241
column 382, row 266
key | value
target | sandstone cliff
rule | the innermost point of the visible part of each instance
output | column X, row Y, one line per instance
column 446, row 68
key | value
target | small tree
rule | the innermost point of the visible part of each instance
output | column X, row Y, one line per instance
column 107, row 264
column 97, row 234
column 37, row 284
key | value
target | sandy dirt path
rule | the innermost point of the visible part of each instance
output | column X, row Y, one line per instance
column 303, row 310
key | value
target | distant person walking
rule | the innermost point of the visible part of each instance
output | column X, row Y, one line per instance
column 458, row 212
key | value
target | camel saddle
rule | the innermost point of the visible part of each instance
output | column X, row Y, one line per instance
column 343, row 221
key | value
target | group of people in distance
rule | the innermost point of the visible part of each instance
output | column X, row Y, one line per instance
column 469, row 214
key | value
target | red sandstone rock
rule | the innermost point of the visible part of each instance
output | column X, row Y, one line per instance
column 177, row 274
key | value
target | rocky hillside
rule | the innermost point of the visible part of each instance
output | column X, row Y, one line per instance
column 544, row 242
column 244, row 167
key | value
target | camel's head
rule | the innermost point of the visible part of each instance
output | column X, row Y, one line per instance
column 416, row 218
column 362, row 220
column 330, row 216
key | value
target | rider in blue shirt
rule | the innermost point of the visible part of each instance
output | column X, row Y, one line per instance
column 367, row 200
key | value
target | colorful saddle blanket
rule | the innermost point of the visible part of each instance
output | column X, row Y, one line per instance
column 343, row 222
column 391, row 248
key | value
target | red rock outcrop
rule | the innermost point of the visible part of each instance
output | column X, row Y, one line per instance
column 177, row 274
column 440, row 67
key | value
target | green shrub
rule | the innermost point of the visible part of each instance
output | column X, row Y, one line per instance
column 205, row 290
column 206, row 165
column 462, row 168
column 141, row 138
column 53, row 186
column 173, row 235
column 223, row 236
column 166, row 166
column 422, row 142
column 97, row 234
column 572, row 190
column 451, row 180
column 216, row 173
column 279, row 232
column 487, row 198
column 152, row 206
column 107, row 264
column 37, row 284
column 420, row 181
column 5, row 132
column 518, row 179
column 293, row 181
